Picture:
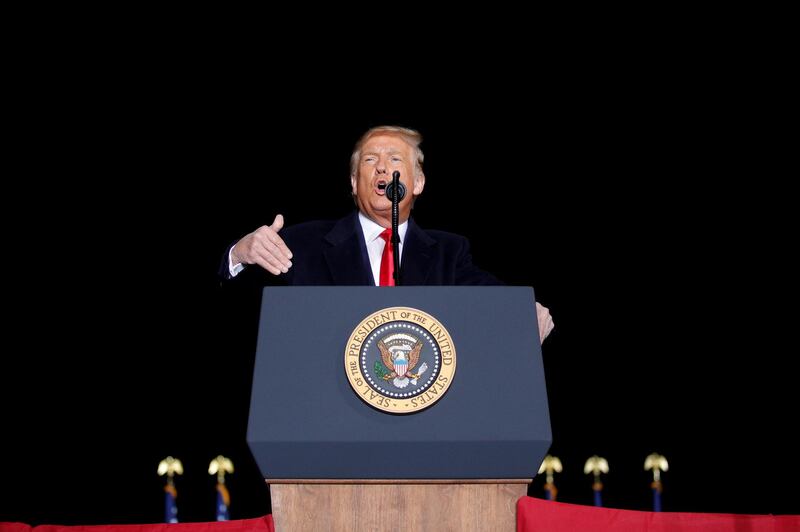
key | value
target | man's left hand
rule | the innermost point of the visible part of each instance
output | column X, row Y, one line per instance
column 545, row 321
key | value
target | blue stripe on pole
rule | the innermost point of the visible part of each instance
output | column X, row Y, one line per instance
column 170, row 506
column 656, row 498
column 223, row 500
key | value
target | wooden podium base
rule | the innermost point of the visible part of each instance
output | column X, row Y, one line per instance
column 372, row 505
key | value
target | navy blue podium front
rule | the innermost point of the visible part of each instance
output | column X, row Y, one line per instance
column 308, row 422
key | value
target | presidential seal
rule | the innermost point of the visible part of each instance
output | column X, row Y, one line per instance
column 400, row 360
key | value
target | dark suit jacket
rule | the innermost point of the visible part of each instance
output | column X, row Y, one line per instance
column 334, row 253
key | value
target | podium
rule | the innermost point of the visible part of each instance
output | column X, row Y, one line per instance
column 413, row 408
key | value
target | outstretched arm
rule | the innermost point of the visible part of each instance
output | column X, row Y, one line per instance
column 263, row 247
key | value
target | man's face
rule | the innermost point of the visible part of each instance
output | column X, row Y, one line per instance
column 381, row 155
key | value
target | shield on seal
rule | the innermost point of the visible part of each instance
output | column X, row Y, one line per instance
column 400, row 363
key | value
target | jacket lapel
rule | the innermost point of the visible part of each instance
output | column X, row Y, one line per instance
column 347, row 255
column 417, row 256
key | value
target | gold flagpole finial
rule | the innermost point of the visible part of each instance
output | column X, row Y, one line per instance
column 219, row 466
column 657, row 463
column 596, row 465
column 549, row 465
column 170, row 466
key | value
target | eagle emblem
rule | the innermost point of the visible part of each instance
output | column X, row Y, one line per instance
column 400, row 360
column 400, row 355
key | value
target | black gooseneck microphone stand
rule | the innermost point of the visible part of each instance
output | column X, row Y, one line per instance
column 395, row 234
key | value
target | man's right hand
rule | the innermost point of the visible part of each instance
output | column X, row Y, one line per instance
column 265, row 248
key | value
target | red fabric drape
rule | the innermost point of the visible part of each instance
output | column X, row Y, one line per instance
column 14, row 527
column 260, row 524
column 535, row 515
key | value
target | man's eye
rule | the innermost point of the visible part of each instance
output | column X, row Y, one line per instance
column 396, row 159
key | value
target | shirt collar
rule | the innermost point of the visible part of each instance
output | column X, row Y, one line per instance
column 372, row 230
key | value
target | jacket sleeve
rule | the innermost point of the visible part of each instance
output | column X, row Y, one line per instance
column 467, row 273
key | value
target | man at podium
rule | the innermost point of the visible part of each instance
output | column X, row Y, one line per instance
column 357, row 250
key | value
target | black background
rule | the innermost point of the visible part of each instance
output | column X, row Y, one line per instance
column 630, row 202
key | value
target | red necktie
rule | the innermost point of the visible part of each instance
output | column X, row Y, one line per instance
column 387, row 260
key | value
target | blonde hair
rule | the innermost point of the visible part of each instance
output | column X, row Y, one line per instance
column 411, row 136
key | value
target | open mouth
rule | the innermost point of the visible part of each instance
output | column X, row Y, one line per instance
column 380, row 187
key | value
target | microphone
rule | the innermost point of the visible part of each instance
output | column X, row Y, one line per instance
column 401, row 188
column 396, row 188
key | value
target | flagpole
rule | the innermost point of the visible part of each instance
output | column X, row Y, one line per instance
column 170, row 466
column 549, row 465
column 596, row 465
column 657, row 463
column 219, row 466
